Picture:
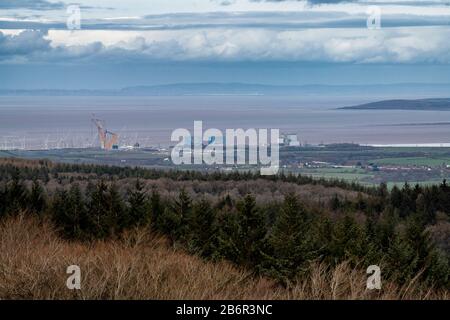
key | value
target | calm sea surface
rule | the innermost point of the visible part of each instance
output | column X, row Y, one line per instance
column 57, row 122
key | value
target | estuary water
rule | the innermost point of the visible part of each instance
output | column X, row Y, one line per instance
column 65, row 122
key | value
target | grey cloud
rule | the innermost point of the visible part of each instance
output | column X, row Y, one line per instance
column 263, row 20
column 27, row 42
column 33, row 46
column 310, row 1
column 31, row 4
column 368, row 2
column 347, row 46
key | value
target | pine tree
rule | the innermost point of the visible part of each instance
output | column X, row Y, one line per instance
column 291, row 241
column 38, row 201
column 419, row 238
column 90, row 189
column 156, row 208
column 60, row 213
column 372, row 241
column 444, row 197
column 335, row 203
column 414, row 252
column 407, row 205
column 429, row 259
column 348, row 240
column 425, row 208
column 77, row 213
column 401, row 259
column 396, row 197
column 203, row 229
column 118, row 217
column 228, row 234
column 174, row 220
column 251, row 233
column 383, row 190
column 99, row 213
column 69, row 213
column 3, row 198
column 386, row 227
column 16, row 195
column 139, row 212
column 225, row 202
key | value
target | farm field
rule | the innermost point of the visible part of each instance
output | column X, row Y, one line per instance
column 348, row 162
column 414, row 161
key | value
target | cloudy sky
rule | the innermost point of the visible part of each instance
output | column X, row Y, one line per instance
column 146, row 42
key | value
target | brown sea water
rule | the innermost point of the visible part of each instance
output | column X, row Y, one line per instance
column 57, row 122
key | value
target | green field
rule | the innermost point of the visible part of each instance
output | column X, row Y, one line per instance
column 347, row 174
column 346, row 155
column 414, row 161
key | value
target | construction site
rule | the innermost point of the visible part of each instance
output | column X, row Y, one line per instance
column 108, row 140
column 98, row 136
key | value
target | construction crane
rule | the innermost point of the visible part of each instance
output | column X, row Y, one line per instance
column 108, row 139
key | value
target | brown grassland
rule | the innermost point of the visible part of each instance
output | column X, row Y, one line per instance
column 142, row 265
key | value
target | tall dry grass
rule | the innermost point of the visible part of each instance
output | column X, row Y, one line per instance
column 33, row 262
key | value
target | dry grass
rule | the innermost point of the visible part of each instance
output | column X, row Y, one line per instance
column 33, row 262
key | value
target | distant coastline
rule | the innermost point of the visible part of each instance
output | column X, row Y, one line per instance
column 437, row 104
column 383, row 91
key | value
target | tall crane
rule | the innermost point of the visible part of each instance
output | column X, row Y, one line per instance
column 108, row 139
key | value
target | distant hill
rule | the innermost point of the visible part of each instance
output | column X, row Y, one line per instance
column 399, row 104
column 400, row 90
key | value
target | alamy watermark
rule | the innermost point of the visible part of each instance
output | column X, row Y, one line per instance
column 374, row 17
column 374, row 280
column 74, row 280
column 235, row 147
column 74, row 19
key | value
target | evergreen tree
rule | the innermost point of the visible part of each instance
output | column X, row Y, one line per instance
column 225, row 202
column 414, row 252
column 228, row 234
column 38, row 201
column 444, row 197
column 335, row 203
column 90, row 189
column 383, row 192
column 156, row 208
column 3, row 198
column 60, row 215
column 118, row 217
column 348, row 240
column 407, row 205
column 139, row 212
column 16, row 195
column 386, row 227
column 77, row 213
column 396, row 197
column 69, row 213
column 401, row 259
column 99, row 213
column 203, row 229
column 291, row 241
column 174, row 221
column 426, row 209
column 251, row 233
column 429, row 259
column 372, row 241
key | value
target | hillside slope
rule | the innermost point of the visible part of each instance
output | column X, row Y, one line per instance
column 142, row 266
